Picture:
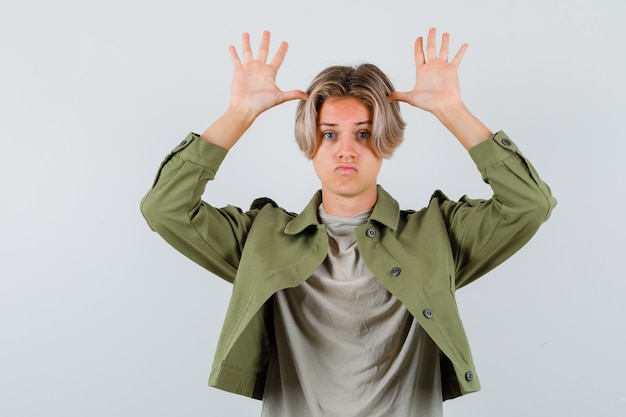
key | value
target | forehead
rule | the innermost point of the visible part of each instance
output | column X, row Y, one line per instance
column 337, row 109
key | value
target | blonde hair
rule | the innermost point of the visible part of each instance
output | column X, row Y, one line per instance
column 365, row 82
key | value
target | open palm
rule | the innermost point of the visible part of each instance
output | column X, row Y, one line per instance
column 254, row 88
column 437, row 81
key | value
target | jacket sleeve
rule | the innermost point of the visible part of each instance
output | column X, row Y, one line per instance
column 173, row 207
column 484, row 233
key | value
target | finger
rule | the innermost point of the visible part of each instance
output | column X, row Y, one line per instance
column 459, row 55
column 418, row 51
column 265, row 47
column 234, row 57
column 279, row 57
column 247, row 51
column 431, row 45
column 445, row 44
column 293, row 95
column 398, row 96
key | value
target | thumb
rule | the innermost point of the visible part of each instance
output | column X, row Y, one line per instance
column 293, row 95
column 398, row 96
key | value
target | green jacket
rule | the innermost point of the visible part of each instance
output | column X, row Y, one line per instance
column 421, row 257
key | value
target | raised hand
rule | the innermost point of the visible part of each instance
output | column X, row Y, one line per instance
column 254, row 88
column 253, row 91
column 437, row 81
column 437, row 90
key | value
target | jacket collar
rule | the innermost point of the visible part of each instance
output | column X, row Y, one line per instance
column 386, row 211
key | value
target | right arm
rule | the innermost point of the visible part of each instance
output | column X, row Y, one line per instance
column 213, row 237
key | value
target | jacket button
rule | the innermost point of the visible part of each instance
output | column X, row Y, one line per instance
column 370, row 233
column 183, row 142
column 428, row 313
column 469, row 376
column 506, row 142
column 395, row 271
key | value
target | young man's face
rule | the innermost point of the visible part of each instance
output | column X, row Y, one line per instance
column 345, row 161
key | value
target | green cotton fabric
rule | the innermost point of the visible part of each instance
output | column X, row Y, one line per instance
column 422, row 257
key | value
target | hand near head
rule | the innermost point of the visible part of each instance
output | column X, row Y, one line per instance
column 437, row 81
column 253, row 91
column 437, row 90
column 254, row 88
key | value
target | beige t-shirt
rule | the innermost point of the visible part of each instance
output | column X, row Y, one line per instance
column 345, row 346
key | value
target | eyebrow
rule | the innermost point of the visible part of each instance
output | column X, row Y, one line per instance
column 366, row 122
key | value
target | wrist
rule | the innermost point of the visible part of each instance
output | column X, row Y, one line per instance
column 466, row 127
column 450, row 113
column 229, row 128
column 240, row 114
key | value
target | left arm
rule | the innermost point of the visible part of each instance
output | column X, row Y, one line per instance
column 483, row 233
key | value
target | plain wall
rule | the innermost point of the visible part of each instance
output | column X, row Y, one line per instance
column 100, row 317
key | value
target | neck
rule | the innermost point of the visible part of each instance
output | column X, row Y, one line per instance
column 347, row 206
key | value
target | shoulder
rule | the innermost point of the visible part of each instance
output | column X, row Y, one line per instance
column 266, row 203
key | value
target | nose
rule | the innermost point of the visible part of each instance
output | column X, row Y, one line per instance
column 346, row 147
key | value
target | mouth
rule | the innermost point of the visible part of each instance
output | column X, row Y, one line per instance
column 346, row 169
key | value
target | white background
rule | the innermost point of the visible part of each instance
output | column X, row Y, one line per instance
column 99, row 317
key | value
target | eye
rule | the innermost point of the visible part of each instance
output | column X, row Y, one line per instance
column 363, row 134
column 329, row 135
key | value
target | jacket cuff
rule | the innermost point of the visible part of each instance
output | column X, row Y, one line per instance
column 493, row 150
column 194, row 149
